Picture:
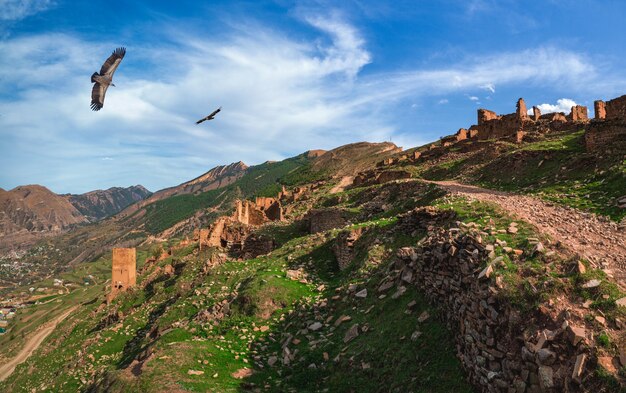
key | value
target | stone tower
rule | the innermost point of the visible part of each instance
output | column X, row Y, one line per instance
column 124, row 273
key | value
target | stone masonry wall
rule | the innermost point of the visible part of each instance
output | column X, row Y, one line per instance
column 501, row 349
column 606, row 135
column 321, row 220
column 616, row 108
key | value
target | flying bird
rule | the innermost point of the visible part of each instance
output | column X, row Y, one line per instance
column 211, row 116
column 103, row 79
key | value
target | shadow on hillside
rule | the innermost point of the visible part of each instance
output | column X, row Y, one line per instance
column 383, row 357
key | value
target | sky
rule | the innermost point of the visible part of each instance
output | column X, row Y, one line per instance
column 290, row 76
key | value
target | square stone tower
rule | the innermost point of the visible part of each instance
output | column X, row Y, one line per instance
column 124, row 273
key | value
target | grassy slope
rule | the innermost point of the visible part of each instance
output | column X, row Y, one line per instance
column 261, row 289
column 267, row 306
column 556, row 168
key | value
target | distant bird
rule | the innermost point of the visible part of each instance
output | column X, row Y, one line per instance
column 103, row 79
column 211, row 116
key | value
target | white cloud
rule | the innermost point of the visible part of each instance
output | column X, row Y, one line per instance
column 13, row 10
column 280, row 96
column 443, row 101
column 472, row 98
column 562, row 105
column 489, row 87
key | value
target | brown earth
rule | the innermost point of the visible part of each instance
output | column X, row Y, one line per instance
column 598, row 240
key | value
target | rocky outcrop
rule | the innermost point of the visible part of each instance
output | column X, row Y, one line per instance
column 99, row 204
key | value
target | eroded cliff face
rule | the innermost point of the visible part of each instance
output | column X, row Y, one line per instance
column 99, row 204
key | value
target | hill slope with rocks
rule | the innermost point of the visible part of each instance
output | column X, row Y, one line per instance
column 488, row 265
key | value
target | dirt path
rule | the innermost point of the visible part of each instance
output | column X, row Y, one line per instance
column 32, row 343
column 597, row 240
column 345, row 182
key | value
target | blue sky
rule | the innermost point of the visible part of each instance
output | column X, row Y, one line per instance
column 290, row 76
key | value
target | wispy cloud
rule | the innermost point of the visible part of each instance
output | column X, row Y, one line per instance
column 14, row 10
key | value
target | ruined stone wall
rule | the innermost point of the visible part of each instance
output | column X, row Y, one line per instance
column 344, row 246
column 599, row 109
column 321, row 220
column 203, row 238
column 214, row 239
column 255, row 245
column 616, row 108
column 501, row 349
column 264, row 203
column 485, row 115
column 578, row 114
column 274, row 212
column 606, row 135
column 124, row 270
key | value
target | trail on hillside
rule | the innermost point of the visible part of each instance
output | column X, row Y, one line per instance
column 595, row 239
column 31, row 345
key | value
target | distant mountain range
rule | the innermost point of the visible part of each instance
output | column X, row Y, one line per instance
column 99, row 204
column 30, row 212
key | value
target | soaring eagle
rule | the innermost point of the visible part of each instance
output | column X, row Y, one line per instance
column 211, row 116
column 103, row 79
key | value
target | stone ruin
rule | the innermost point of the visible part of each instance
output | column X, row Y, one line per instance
column 322, row 220
column 605, row 132
column 235, row 231
column 124, row 271
column 371, row 177
column 608, row 128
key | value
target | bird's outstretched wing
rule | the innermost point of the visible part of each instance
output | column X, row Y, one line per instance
column 111, row 64
column 97, row 96
column 215, row 112
column 211, row 116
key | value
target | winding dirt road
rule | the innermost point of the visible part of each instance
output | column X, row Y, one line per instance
column 31, row 345
column 598, row 240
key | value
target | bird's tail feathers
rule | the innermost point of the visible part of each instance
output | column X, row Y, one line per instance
column 93, row 77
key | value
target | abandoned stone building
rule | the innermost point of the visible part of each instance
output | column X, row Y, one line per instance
column 232, row 231
column 124, row 271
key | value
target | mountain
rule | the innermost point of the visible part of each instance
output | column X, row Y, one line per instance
column 26, row 212
column 215, row 178
column 99, row 204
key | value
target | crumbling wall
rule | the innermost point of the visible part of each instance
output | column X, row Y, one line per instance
column 616, row 108
column 501, row 349
column 321, row 220
column 344, row 246
column 255, row 245
column 485, row 115
column 599, row 109
column 578, row 114
column 203, row 238
column 372, row 177
column 606, row 135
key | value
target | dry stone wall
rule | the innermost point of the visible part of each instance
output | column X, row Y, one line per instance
column 501, row 349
